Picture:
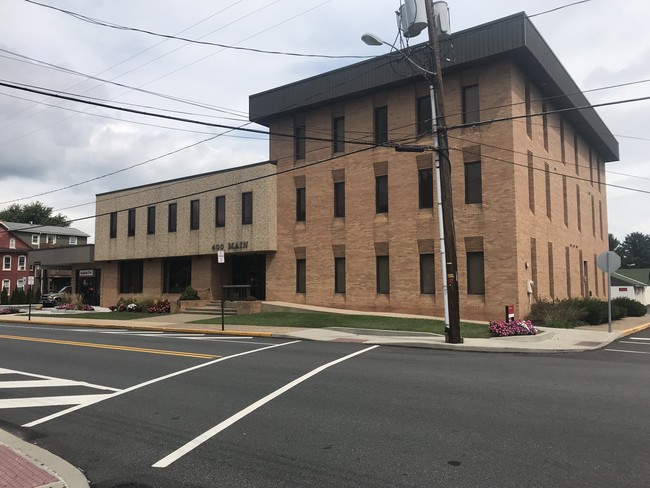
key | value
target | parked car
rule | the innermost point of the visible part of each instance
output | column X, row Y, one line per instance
column 53, row 299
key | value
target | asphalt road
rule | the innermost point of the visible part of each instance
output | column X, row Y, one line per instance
column 194, row 411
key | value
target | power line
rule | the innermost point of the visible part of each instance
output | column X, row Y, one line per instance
column 558, row 8
column 193, row 41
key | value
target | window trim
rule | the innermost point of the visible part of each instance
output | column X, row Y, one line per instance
column 12, row 243
column 35, row 239
column 6, row 267
column 72, row 240
column 22, row 267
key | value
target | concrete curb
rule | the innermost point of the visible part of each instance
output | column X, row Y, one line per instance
column 69, row 475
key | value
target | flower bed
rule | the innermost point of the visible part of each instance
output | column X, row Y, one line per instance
column 8, row 310
column 501, row 328
column 142, row 305
column 73, row 306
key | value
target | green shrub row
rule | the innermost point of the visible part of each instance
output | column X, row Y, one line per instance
column 574, row 312
column 19, row 296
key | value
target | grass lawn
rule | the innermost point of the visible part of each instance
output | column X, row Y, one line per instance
column 318, row 320
column 98, row 315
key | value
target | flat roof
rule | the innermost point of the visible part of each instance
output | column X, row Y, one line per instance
column 512, row 37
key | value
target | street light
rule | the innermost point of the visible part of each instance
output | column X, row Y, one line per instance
column 452, row 334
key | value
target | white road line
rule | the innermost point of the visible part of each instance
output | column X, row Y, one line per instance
column 635, row 343
column 623, row 350
column 639, row 338
column 193, row 444
column 43, row 377
column 51, row 401
column 37, row 383
column 151, row 382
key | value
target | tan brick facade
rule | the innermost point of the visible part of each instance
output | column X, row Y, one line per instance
column 503, row 226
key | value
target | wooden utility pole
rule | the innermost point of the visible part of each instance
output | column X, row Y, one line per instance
column 452, row 335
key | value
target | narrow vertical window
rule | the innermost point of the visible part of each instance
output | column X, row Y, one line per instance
column 531, row 182
column 151, row 220
column 562, row 147
column 12, row 243
column 596, row 274
column 383, row 275
column 36, row 237
column 473, row 183
column 471, row 108
column 545, row 124
column 424, row 116
column 427, row 274
column 247, row 208
column 339, row 275
column 567, row 264
column 381, row 194
column 301, row 275
column 112, row 227
column 600, row 218
column 171, row 217
column 529, row 120
column 381, row 125
column 576, row 152
column 301, row 205
column 425, row 188
column 533, row 265
column 551, row 271
column 339, row 199
column 593, row 216
column 547, row 181
column 6, row 263
column 131, row 222
column 591, row 167
column 565, row 198
column 578, row 211
column 299, row 142
column 220, row 211
column 194, row 214
column 22, row 263
column 338, row 134
column 475, row 273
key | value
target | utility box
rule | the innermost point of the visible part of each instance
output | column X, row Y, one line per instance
column 412, row 17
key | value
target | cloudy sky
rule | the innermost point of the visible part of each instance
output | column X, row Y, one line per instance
column 48, row 144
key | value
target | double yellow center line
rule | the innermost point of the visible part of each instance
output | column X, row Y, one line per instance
column 113, row 347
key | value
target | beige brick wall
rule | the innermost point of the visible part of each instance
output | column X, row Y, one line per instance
column 504, row 220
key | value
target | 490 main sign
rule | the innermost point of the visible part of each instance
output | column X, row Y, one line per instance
column 231, row 246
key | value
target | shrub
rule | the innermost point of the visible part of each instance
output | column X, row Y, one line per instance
column 501, row 328
column 4, row 296
column 631, row 308
column 189, row 293
column 151, row 305
column 565, row 314
column 597, row 312
column 18, row 297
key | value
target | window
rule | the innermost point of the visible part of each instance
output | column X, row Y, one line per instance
column 35, row 239
column 425, row 188
column 112, row 227
column 424, row 116
column 475, row 273
column 131, row 276
column 220, row 211
column 50, row 239
column 381, row 125
column 531, row 182
column 529, row 120
column 12, row 243
column 171, row 217
column 22, row 263
column 338, row 134
column 300, row 205
column 151, row 220
column 247, row 208
column 427, row 274
column 301, row 275
column 6, row 263
column 177, row 274
column 383, row 275
column 565, row 197
column 381, row 194
column 551, row 271
column 131, row 222
column 593, row 216
column 471, row 113
column 194, row 214
column 6, row 285
column 545, row 124
column 21, row 283
column 562, row 147
column 578, row 211
column 72, row 240
column 339, row 275
column 299, row 142
column 473, row 183
column 591, row 167
column 576, row 152
column 547, row 181
column 339, row 199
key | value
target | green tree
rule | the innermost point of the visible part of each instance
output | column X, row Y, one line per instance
column 635, row 251
column 4, row 296
column 36, row 213
column 614, row 243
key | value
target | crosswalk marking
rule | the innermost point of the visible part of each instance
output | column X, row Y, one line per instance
column 51, row 401
column 647, row 339
column 37, row 383
column 43, row 377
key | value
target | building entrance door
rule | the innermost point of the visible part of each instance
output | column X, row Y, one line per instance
column 87, row 285
column 251, row 270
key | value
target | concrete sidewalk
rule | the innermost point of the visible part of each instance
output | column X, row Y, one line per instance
column 25, row 465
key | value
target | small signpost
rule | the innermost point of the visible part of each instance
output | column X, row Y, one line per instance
column 609, row 262
column 30, row 283
column 221, row 259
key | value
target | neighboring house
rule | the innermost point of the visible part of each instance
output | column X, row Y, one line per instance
column 40, row 237
column 13, row 267
column 358, row 228
column 632, row 283
column 158, row 239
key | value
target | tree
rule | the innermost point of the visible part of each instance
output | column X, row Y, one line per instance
column 36, row 213
column 614, row 243
column 635, row 250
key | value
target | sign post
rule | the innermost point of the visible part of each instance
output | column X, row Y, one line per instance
column 609, row 262
column 30, row 282
column 221, row 259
